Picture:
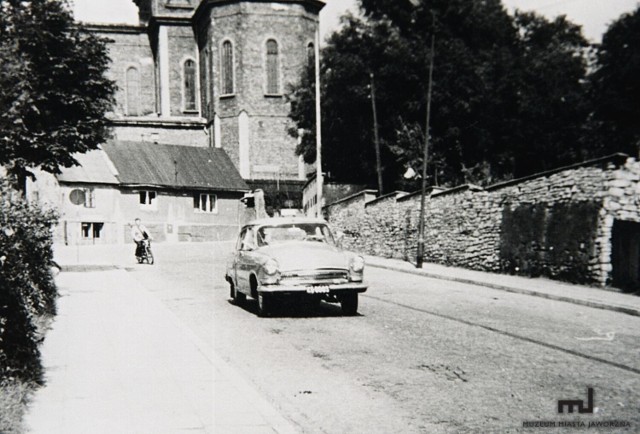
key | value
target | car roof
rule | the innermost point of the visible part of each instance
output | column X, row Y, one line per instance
column 275, row 221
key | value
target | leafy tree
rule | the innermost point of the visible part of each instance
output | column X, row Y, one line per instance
column 546, row 100
column 615, row 88
column 508, row 95
column 53, row 89
column 351, row 55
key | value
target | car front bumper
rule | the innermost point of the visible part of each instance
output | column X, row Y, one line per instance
column 330, row 289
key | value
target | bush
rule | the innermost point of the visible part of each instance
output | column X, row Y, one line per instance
column 27, row 288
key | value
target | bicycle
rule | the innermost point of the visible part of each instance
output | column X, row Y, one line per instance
column 146, row 254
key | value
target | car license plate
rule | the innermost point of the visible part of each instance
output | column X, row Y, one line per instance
column 323, row 289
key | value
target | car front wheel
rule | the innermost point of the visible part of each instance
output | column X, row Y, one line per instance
column 349, row 304
column 237, row 296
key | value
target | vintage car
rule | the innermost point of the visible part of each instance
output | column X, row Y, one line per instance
column 293, row 258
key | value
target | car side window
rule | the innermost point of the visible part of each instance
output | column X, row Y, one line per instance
column 248, row 242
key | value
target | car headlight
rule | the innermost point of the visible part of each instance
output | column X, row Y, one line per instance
column 271, row 267
column 357, row 264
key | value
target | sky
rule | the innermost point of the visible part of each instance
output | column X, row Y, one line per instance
column 593, row 15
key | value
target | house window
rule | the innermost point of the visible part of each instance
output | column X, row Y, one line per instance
column 226, row 68
column 132, row 90
column 189, row 90
column 91, row 230
column 148, row 199
column 272, row 67
column 203, row 202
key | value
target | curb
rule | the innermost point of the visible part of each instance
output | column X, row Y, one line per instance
column 87, row 267
column 589, row 303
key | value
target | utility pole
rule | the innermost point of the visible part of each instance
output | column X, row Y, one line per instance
column 420, row 254
column 376, row 137
column 319, row 180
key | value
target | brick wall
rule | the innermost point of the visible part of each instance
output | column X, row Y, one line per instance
column 129, row 47
column 182, row 46
column 154, row 131
column 559, row 223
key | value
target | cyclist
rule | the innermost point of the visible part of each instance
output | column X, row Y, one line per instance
column 139, row 233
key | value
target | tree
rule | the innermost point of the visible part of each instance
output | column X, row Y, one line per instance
column 358, row 49
column 615, row 87
column 508, row 96
column 547, row 108
column 54, row 94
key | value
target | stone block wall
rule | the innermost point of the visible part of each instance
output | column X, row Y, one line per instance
column 563, row 225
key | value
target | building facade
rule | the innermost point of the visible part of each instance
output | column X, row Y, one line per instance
column 206, row 76
column 181, row 193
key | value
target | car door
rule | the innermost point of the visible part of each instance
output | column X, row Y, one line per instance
column 245, row 262
column 232, row 268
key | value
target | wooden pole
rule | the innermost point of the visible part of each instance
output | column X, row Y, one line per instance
column 376, row 136
column 420, row 253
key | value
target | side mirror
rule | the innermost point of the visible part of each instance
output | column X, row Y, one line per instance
column 339, row 238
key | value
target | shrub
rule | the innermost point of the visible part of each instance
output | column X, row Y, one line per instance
column 27, row 288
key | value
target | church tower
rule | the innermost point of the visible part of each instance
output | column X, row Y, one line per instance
column 250, row 52
column 226, row 66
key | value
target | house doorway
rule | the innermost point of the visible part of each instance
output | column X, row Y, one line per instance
column 625, row 255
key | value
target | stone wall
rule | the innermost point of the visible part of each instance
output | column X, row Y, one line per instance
column 558, row 223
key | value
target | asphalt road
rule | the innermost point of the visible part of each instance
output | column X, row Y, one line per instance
column 423, row 355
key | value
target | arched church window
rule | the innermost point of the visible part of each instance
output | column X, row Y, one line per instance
column 272, row 67
column 189, row 95
column 227, row 68
column 311, row 55
column 132, row 90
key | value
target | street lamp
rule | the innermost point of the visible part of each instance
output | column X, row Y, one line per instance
column 420, row 253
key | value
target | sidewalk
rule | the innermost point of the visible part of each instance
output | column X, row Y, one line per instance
column 539, row 287
column 118, row 361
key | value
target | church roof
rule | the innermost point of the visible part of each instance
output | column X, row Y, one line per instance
column 174, row 166
column 93, row 167
column 146, row 164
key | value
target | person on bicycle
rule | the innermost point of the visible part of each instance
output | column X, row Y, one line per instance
column 139, row 233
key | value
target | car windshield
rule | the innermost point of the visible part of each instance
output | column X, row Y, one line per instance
column 312, row 232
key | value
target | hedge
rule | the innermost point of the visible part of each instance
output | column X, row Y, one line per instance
column 27, row 288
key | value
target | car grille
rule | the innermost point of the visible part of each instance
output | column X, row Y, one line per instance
column 315, row 277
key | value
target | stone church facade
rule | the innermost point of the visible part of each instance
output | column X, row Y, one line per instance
column 214, row 73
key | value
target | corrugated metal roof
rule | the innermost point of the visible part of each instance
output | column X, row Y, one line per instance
column 150, row 164
column 94, row 168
